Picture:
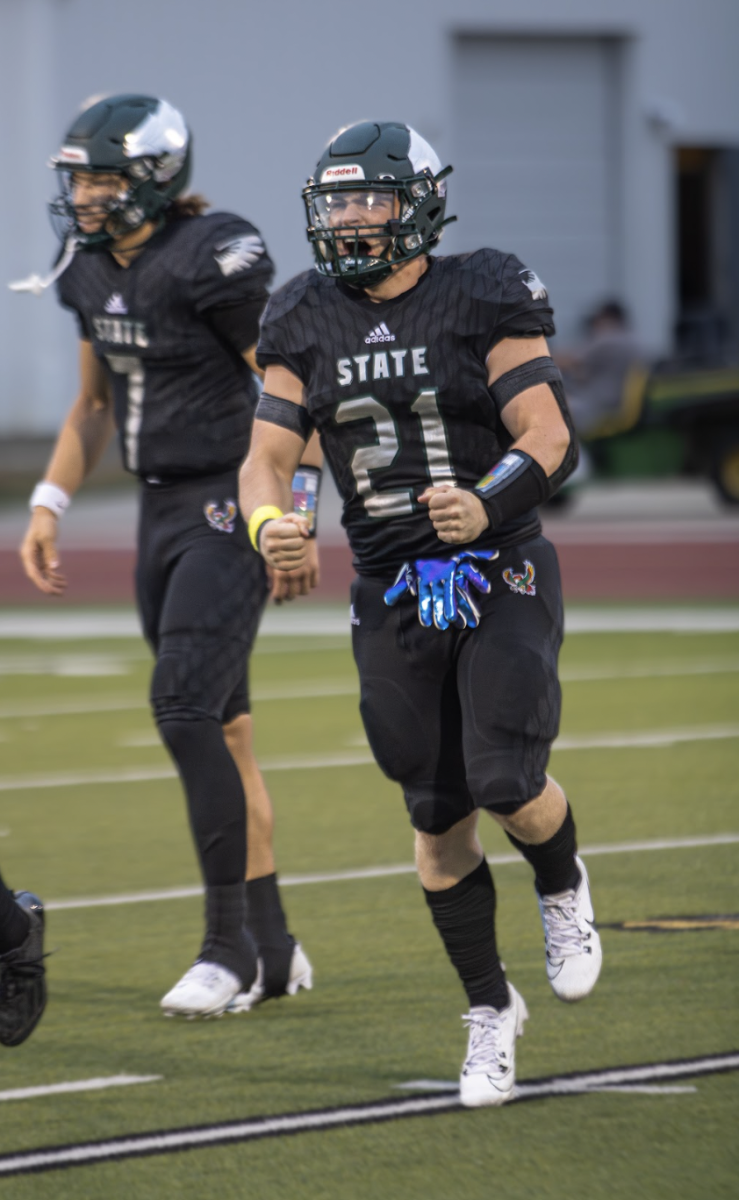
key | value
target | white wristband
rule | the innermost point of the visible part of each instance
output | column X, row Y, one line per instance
column 49, row 495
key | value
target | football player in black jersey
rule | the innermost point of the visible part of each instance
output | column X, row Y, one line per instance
column 22, row 972
column 444, row 423
column 168, row 302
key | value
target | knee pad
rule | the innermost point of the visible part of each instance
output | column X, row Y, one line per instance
column 187, row 682
column 507, row 779
column 434, row 809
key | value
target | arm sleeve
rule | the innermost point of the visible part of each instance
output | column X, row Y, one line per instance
column 67, row 296
column 238, row 324
column 278, row 348
column 524, row 309
column 232, row 270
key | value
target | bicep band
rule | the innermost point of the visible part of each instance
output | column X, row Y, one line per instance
column 522, row 377
column 505, row 389
column 285, row 413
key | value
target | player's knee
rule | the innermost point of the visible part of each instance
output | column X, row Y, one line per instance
column 174, row 697
column 181, row 733
column 504, row 787
column 435, row 811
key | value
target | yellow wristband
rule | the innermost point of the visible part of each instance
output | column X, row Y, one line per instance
column 266, row 512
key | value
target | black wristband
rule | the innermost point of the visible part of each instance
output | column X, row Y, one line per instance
column 515, row 485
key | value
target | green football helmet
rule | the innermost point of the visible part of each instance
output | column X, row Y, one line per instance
column 389, row 180
column 141, row 138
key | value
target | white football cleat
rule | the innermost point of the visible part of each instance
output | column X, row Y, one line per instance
column 489, row 1071
column 301, row 976
column 205, row 990
column 574, row 952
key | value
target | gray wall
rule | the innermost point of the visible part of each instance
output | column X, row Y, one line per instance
column 263, row 86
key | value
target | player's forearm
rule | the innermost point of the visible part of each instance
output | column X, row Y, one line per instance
column 546, row 445
column 81, row 443
column 263, row 483
column 312, row 455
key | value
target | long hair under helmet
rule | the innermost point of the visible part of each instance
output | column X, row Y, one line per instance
column 141, row 138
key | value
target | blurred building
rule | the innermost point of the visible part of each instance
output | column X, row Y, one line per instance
column 598, row 140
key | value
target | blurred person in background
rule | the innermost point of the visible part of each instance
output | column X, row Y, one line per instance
column 444, row 421
column 22, row 972
column 168, row 302
column 595, row 374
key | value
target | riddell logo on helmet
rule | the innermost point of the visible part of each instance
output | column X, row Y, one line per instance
column 350, row 171
column 75, row 154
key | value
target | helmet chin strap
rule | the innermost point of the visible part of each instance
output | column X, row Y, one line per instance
column 37, row 284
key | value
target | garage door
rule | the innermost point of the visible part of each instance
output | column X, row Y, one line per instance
column 536, row 154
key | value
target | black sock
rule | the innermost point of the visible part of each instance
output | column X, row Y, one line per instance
column 265, row 917
column 465, row 918
column 554, row 860
column 265, row 920
column 227, row 940
column 215, row 797
column 14, row 922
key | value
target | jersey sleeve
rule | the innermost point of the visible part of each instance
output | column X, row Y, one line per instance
column 232, row 269
column 284, row 336
column 67, row 295
column 524, row 309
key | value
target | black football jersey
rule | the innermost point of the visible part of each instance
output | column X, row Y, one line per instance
column 398, row 391
column 184, row 397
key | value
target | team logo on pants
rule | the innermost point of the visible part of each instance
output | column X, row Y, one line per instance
column 221, row 519
column 524, row 584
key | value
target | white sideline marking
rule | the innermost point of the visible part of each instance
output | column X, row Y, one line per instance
column 361, row 758
column 165, row 1141
column 495, row 860
column 655, row 1089
column 649, row 1090
column 306, row 690
column 80, row 1085
column 320, row 621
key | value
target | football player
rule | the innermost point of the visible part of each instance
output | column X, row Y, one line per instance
column 444, row 422
column 168, row 301
column 22, row 972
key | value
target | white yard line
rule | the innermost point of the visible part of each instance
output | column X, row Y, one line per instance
column 333, row 620
column 308, row 690
column 311, row 762
column 647, row 739
column 253, row 1128
column 79, row 1085
column 495, row 860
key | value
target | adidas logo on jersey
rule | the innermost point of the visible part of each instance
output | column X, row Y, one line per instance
column 380, row 333
column 115, row 305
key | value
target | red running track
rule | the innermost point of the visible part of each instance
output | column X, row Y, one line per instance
column 643, row 570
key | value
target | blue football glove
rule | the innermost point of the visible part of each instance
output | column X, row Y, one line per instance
column 466, row 575
column 441, row 587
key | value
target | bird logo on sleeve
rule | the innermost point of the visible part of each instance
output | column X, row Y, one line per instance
column 239, row 254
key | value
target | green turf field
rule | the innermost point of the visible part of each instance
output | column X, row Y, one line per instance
column 386, row 1006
